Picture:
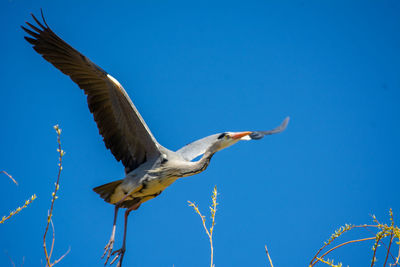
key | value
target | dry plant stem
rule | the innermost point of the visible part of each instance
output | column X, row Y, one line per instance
column 338, row 246
column 53, row 239
column 375, row 249
column 12, row 213
column 398, row 258
column 324, row 246
column 54, row 197
column 203, row 220
column 9, row 176
column 209, row 232
column 381, row 241
column 327, row 262
column 383, row 230
column 27, row 202
column 62, row 257
column 11, row 260
column 212, row 252
column 388, row 250
column 269, row 258
column 365, row 226
column 213, row 209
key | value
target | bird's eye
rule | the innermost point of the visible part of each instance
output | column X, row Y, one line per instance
column 222, row 135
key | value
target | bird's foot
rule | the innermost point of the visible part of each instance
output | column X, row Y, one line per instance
column 120, row 254
column 108, row 249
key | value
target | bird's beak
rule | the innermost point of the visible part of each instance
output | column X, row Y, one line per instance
column 240, row 135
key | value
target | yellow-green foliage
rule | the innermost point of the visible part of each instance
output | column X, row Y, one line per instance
column 390, row 233
column 17, row 210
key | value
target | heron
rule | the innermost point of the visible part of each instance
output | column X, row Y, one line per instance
column 149, row 167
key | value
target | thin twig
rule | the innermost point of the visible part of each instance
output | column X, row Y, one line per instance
column 330, row 263
column 378, row 238
column 54, row 197
column 53, row 239
column 62, row 257
column 15, row 182
column 382, row 231
column 209, row 232
column 388, row 250
column 383, row 243
column 213, row 210
column 398, row 258
column 331, row 239
column 12, row 213
column 12, row 262
column 338, row 246
column 269, row 258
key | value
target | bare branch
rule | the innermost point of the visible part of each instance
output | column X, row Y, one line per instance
column 62, row 257
column 388, row 250
column 15, row 182
column 9, row 257
column 53, row 239
column 269, row 258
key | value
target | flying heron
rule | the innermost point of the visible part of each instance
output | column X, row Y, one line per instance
column 149, row 167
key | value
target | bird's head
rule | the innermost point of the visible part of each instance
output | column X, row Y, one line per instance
column 227, row 139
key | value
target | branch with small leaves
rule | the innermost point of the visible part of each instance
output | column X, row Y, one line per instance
column 12, row 213
column 17, row 210
column 61, row 153
column 383, row 231
column 210, row 231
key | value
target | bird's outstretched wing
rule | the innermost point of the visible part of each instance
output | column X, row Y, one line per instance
column 123, row 129
column 199, row 147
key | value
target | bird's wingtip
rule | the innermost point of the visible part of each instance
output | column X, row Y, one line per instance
column 260, row 134
column 285, row 123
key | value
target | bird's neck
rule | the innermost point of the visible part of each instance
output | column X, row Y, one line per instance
column 203, row 163
column 200, row 165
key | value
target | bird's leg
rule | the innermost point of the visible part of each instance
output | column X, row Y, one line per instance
column 120, row 252
column 109, row 247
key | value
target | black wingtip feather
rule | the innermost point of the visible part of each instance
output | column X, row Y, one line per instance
column 44, row 20
column 34, row 27
column 30, row 40
column 34, row 34
column 38, row 22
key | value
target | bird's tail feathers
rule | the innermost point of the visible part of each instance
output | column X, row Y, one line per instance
column 106, row 190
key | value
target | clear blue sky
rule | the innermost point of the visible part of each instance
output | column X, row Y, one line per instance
column 195, row 69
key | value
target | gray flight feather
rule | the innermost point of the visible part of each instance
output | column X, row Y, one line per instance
column 260, row 134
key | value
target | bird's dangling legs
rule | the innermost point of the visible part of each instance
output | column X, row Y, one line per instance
column 109, row 247
column 120, row 252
